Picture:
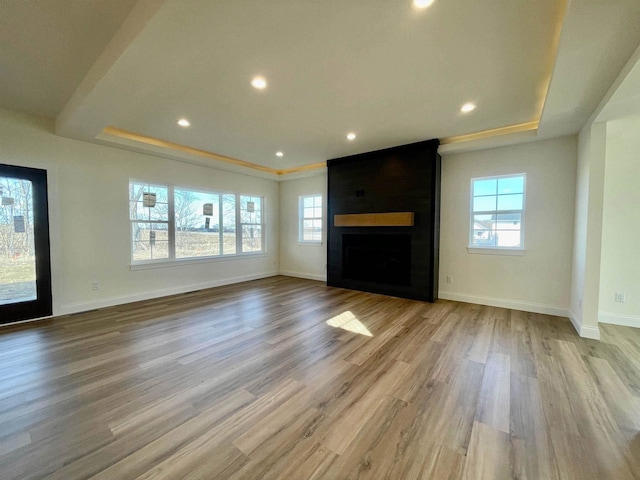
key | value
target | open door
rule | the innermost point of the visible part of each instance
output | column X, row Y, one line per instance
column 25, row 266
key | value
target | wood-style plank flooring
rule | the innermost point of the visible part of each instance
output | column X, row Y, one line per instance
column 285, row 378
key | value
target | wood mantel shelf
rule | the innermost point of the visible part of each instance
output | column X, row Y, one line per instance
column 390, row 219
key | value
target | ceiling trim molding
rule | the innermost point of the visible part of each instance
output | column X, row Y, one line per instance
column 157, row 142
column 178, row 147
column 553, row 60
column 302, row 168
column 494, row 132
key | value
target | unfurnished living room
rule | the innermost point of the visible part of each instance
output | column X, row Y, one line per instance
column 336, row 239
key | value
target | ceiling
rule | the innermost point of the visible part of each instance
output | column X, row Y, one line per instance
column 598, row 37
column 48, row 46
column 623, row 99
column 384, row 70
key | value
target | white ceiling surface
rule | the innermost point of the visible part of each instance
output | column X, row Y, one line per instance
column 48, row 46
column 623, row 99
column 598, row 37
column 390, row 73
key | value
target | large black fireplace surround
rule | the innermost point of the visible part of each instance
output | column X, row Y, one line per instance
column 394, row 260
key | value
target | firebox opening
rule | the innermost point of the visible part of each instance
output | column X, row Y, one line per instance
column 375, row 258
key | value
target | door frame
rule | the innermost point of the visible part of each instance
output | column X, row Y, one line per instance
column 42, row 306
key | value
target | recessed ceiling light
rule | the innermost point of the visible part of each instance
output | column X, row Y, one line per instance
column 259, row 82
column 468, row 107
column 351, row 136
column 422, row 3
column 279, row 154
column 183, row 122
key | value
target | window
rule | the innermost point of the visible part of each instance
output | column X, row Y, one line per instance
column 251, row 223
column 149, row 215
column 310, row 215
column 169, row 223
column 197, row 218
column 497, row 212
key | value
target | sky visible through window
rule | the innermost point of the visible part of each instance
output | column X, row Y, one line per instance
column 497, row 216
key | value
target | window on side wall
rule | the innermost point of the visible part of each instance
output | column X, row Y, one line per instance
column 497, row 213
column 310, row 219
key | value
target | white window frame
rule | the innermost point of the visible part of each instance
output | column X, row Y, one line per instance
column 171, row 225
column 302, row 218
column 498, row 250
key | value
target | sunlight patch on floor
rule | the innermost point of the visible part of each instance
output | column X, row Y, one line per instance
column 348, row 321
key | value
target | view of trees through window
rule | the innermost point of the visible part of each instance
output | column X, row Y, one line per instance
column 200, row 235
column 251, row 222
column 17, row 249
column 149, row 225
column 180, row 223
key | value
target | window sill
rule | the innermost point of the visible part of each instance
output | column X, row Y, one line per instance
column 497, row 251
column 311, row 244
column 192, row 261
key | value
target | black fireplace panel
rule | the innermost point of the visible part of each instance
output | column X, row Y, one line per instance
column 375, row 258
column 384, row 259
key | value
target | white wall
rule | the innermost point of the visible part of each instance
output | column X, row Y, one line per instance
column 296, row 259
column 585, row 280
column 580, row 224
column 88, row 204
column 540, row 280
column 620, row 258
column 590, row 265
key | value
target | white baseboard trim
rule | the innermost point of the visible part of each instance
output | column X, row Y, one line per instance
column 506, row 303
column 590, row 332
column 577, row 324
column 137, row 297
column 585, row 332
column 309, row 276
column 618, row 319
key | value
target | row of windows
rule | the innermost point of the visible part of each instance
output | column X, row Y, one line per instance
column 178, row 223
column 170, row 223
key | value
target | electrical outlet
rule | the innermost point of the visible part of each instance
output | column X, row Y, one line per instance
column 449, row 279
column 95, row 285
column 620, row 297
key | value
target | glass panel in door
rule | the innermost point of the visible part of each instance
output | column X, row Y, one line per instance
column 25, row 260
column 17, row 248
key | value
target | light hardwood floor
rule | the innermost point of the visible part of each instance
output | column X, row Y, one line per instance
column 250, row 382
